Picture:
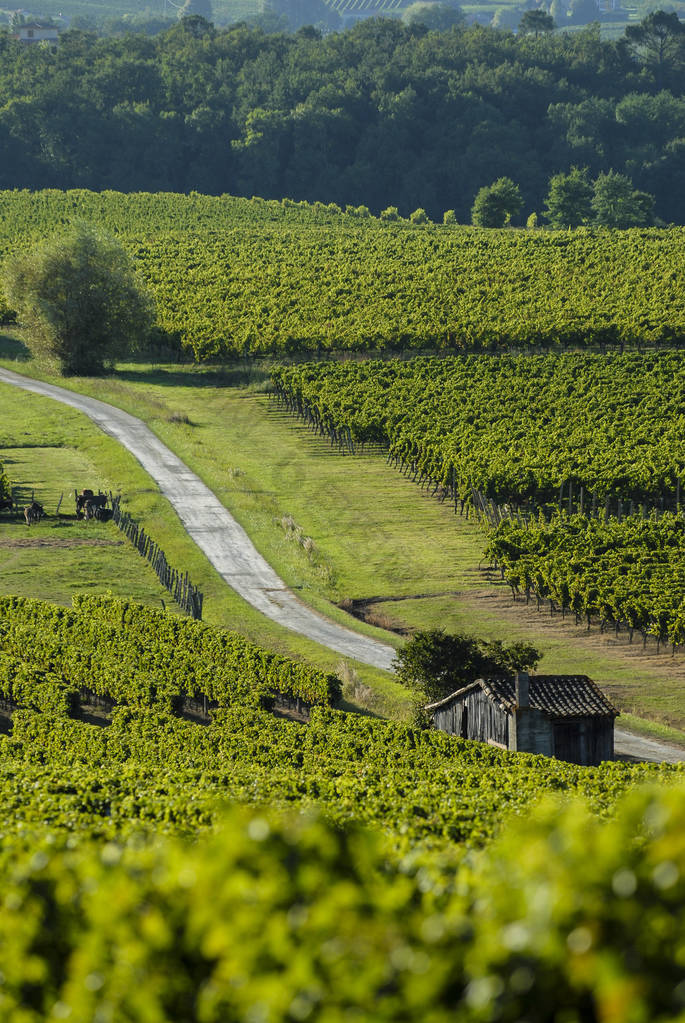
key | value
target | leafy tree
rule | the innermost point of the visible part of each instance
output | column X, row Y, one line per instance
column 643, row 203
column 449, row 217
column 496, row 204
column 390, row 213
column 5, row 485
column 615, row 204
column 665, row 178
column 499, row 659
column 569, row 200
column 418, row 216
column 436, row 663
column 80, row 298
column 536, row 23
column 658, row 42
column 435, row 16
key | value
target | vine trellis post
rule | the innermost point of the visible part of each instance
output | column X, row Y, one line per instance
column 179, row 586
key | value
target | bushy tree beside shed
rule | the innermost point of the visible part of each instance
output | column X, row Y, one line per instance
column 436, row 663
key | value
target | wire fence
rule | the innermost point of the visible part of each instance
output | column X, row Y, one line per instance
column 178, row 584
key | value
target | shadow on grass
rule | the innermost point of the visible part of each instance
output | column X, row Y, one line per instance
column 196, row 376
column 13, row 348
column 141, row 369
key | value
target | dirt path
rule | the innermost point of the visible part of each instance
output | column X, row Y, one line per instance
column 214, row 530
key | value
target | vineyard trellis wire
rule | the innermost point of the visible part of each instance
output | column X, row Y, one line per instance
column 178, row 584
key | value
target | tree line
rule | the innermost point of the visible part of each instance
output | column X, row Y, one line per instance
column 384, row 114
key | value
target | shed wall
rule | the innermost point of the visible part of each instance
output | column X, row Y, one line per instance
column 534, row 732
column 474, row 716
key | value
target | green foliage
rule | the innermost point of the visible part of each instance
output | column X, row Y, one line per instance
column 630, row 572
column 314, row 115
column 433, row 15
column 496, row 204
column 449, row 217
column 569, row 200
column 390, row 214
column 658, row 42
column 5, row 483
column 506, row 18
column 80, row 298
column 149, row 769
column 130, row 892
column 537, row 22
column 289, row 917
column 616, row 204
column 138, row 655
column 36, row 688
column 608, row 423
column 437, row 663
column 223, row 273
column 418, row 217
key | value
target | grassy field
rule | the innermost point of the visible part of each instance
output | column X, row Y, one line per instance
column 62, row 555
column 350, row 533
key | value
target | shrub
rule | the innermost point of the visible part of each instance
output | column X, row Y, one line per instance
column 391, row 213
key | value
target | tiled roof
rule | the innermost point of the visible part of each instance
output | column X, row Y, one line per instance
column 560, row 696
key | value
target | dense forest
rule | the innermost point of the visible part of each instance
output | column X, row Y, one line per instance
column 379, row 114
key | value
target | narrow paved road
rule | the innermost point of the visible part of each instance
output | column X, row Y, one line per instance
column 639, row 747
column 213, row 529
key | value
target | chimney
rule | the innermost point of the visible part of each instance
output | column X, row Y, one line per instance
column 522, row 685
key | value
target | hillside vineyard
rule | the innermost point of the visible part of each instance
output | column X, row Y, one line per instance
column 585, row 453
column 236, row 276
column 153, row 767
column 363, row 869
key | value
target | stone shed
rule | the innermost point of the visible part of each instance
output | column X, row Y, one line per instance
column 562, row 716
